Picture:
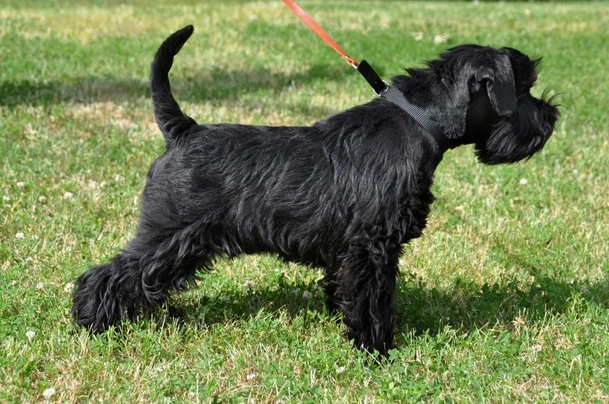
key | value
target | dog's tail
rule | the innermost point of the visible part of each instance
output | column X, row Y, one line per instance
column 170, row 118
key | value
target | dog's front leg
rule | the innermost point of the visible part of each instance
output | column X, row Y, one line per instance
column 364, row 291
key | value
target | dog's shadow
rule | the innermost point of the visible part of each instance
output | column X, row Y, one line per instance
column 464, row 306
column 294, row 299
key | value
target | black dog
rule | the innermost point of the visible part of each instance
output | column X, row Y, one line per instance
column 343, row 194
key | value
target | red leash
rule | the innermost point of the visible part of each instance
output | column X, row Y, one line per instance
column 363, row 67
column 311, row 23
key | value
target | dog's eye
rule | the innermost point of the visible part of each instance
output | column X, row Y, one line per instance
column 476, row 85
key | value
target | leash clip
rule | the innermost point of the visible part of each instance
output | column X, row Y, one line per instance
column 377, row 84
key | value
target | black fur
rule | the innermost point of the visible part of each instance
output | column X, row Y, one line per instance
column 343, row 194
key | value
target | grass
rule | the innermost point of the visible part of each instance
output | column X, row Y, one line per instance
column 505, row 298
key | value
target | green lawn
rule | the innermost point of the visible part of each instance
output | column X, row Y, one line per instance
column 504, row 299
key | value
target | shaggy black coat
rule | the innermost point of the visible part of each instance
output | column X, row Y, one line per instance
column 344, row 194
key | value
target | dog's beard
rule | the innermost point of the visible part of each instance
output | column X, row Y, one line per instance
column 521, row 135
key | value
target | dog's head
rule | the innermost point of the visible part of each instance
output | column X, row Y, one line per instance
column 481, row 95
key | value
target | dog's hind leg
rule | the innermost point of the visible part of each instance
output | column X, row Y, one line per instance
column 364, row 291
column 138, row 279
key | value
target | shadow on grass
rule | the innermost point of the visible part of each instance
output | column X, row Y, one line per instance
column 246, row 303
column 210, row 85
column 465, row 306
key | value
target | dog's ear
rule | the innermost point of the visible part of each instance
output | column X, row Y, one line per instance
column 499, row 81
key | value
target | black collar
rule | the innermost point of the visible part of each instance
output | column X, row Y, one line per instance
column 394, row 95
column 390, row 93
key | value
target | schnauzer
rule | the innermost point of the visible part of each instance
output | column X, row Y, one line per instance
column 344, row 194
